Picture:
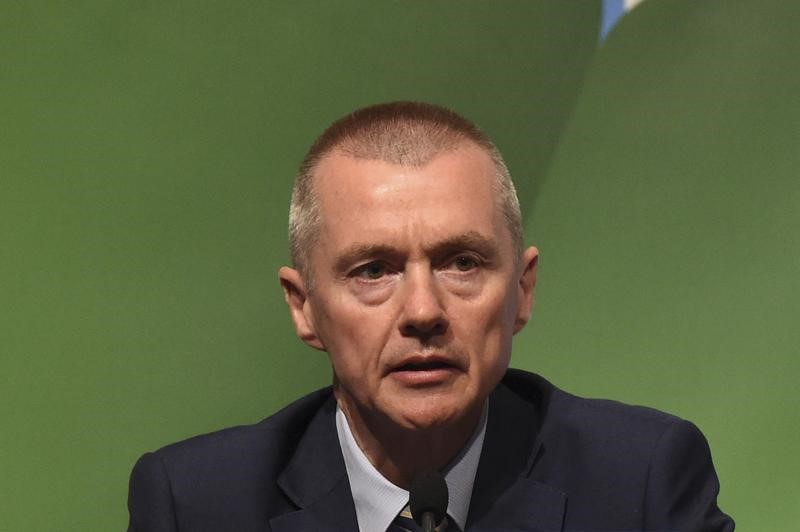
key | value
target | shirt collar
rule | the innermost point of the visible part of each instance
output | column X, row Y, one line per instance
column 378, row 501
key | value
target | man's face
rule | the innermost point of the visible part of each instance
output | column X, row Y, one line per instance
column 416, row 293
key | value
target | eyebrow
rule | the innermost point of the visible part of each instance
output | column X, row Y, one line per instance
column 470, row 240
column 359, row 252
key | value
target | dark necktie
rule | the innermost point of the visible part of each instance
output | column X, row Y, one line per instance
column 405, row 523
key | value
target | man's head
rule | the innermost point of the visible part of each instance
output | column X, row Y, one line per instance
column 413, row 249
column 402, row 133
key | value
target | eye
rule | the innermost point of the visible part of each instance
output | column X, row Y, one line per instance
column 465, row 263
column 371, row 271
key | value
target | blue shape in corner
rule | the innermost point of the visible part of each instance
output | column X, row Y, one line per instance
column 613, row 10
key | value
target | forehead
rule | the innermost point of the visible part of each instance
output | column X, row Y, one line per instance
column 372, row 200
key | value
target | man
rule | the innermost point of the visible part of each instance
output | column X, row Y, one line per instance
column 409, row 272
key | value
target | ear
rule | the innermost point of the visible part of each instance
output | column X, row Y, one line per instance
column 296, row 297
column 527, row 283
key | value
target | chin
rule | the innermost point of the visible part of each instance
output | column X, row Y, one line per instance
column 431, row 415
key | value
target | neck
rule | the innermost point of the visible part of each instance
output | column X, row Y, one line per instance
column 400, row 454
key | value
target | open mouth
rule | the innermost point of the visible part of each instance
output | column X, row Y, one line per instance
column 428, row 365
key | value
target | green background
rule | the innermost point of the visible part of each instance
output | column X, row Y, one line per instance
column 146, row 157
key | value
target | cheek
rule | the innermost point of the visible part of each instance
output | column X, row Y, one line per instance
column 353, row 334
column 487, row 328
column 497, row 310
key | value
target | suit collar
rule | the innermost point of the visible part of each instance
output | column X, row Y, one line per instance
column 315, row 480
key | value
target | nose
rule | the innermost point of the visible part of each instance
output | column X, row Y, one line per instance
column 423, row 314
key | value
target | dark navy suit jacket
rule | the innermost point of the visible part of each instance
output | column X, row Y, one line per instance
column 551, row 462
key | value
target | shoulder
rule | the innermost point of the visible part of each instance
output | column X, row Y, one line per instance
column 273, row 434
column 227, row 468
column 607, row 444
column 565, row 416
column 630, row 464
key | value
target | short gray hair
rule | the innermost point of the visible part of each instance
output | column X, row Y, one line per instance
column 403, row 133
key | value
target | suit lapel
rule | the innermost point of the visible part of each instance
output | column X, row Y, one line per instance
column 315, row 480
column 526, row 505
column 504, row 498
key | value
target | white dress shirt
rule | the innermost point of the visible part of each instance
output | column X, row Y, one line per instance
column 378, row 501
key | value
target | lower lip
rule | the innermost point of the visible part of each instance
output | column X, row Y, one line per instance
column 425, row 377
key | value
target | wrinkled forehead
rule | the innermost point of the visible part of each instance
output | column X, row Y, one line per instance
column 374, row 198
